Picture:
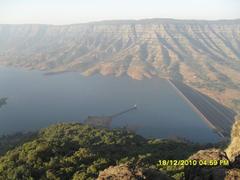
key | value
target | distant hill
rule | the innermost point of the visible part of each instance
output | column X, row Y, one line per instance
column 203, row 54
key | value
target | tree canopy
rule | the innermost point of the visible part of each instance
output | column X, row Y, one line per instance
column 76, row 151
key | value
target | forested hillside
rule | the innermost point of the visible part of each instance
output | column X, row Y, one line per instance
column 76, row 151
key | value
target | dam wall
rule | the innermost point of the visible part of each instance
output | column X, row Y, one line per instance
column 218, row 117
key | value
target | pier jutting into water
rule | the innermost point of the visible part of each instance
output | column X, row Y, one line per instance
column 106, row 121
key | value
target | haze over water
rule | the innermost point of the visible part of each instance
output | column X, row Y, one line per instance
column 36, row 100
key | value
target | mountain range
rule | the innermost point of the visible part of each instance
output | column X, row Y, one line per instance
column 202, row 54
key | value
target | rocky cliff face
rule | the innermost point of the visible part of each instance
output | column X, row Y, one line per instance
column 233, row 150
column 204, row 54
column 125, row 172
column 232, row 153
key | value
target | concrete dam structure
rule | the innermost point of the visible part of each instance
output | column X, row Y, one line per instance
column 218, row 117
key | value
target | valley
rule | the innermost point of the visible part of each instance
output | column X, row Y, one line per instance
column 120, row 90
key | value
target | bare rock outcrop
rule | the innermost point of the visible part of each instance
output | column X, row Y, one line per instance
column 231, row 154
column 125, row 172
column 210, row 154
column 233, row 150
column 206, row 172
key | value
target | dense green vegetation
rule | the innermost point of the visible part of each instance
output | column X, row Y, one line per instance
column 75, row 151
column 3, row 101
column 8, row 142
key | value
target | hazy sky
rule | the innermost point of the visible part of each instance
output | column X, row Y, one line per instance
column 77, row 11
